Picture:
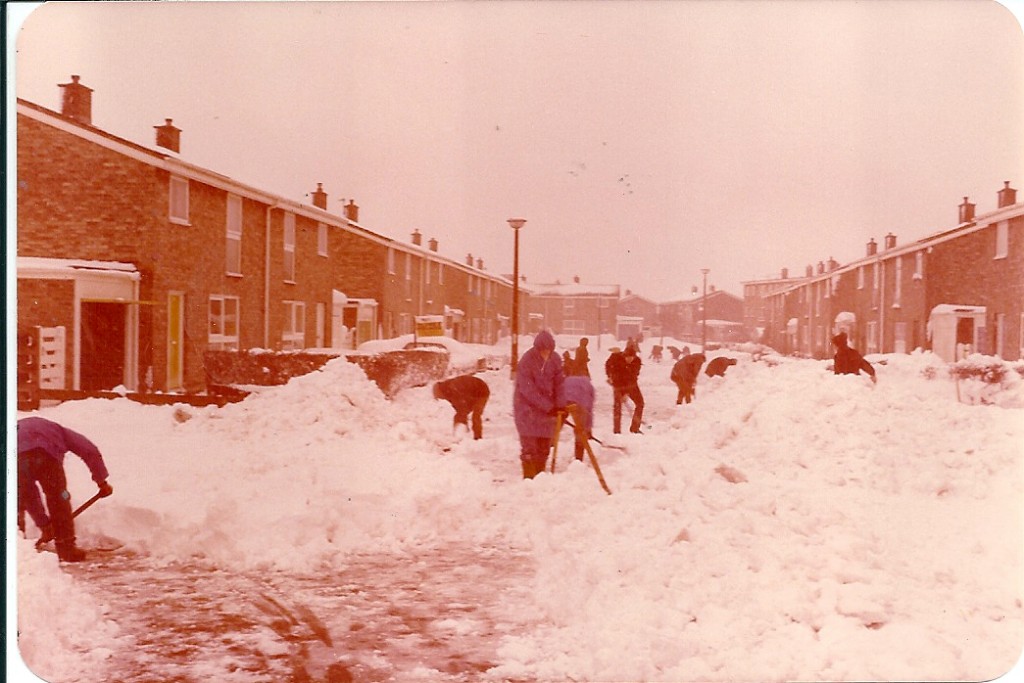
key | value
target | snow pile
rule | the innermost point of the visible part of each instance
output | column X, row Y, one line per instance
column 64, row 631
column 788, row 524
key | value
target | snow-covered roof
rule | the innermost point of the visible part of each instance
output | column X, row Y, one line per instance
column 574, row 289
column 946, row 309
column 36, row 265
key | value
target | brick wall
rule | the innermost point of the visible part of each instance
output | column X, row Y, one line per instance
column 48, row 303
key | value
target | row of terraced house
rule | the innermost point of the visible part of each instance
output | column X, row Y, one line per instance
column 144, row 261
column 955, row 292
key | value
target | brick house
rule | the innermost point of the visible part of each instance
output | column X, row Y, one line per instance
column 684, row 318
column 574, row 308
column 147, row 261
column 756, row 303
column 638, row 317
column 951, row 292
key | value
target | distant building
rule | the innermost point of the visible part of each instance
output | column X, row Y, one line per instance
column 684, row 319
column 573, row 308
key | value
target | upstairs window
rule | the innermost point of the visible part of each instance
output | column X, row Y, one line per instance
column 897, row 283
column 234, row 236
column 1002, row 239
column 426, row 271
column 918, row 265
column 391, row 261
column 178, row 210
column 440, row 273
column 860, row 278
column 289, row 247
column 321, row 239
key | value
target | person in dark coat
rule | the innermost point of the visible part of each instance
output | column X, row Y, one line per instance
column 582, row 359
column 538, row 389
column 848, row 361
column 623, row 371
column 718, row 366
column 567, row 364
column 684, row 374
column 578, row 391
column 656, row 353
column 468, row 395
column 42, row 445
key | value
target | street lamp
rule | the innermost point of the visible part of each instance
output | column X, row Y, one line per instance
column 704, row 306
column 515, row 224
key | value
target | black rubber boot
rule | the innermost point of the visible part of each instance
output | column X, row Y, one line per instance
column 69, row 552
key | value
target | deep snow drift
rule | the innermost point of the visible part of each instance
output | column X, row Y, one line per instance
column 789, row 524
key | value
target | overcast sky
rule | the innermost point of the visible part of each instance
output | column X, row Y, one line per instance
column 641, row 140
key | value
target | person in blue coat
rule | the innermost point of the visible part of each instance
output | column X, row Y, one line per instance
column 579, row 390
column 535, row 404
column 42, row 444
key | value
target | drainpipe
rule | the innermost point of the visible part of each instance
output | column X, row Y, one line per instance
column 881, row 309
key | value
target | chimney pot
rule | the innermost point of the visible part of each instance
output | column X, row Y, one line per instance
column 576, row 279
column 352, row 211
column 966, row 212
column 76, row 102
column 469, row 259
column 320, row 197
column 872, row 247
column 785, row 273
column 417, row 238
column 890, row 241
column 821, row 267
column 433, row 244
column 1007, row 195
column 168, row 136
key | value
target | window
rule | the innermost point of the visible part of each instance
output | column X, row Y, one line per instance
column 918, row 265
column 469, row 283
column 426, row 271
column 1000, row 334
column 573, row 327
column 408, row 266
column 440, row 273
column 872, row 337
column 1002, row 239
column 223, row 324
column 900, row 337
column 293, row 336
column 860, row 278
column 289, row 247
column 568, row 305
column 179, row 200
column 321, row 239
column 391, row 261
column 234, row 236
column 876, row 278
column 898, row 284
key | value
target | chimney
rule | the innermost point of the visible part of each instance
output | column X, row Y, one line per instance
column 479, row 264
column 809, row 271
column 352, row 211
column 576, row 279
column 433, row 244
column 821, row 267
column 1007, row 195
column 832, row 264
column 785, row 273
column 417, row 238
column 966, row 212
column 872, row 247
column 76, row 102
column 890, row 241
column 320, row 197
column 168, row 136
column 469, row 259
column 712, row 288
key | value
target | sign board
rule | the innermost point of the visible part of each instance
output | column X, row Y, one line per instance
column 429, row 326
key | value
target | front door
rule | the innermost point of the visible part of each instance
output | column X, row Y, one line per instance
column 175, row 340
column 103, row 345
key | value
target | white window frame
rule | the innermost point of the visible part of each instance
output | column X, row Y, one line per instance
column 289, row 247
column 860, row 277
column 469, row 284
column 293, row 334
column 321, row 239
column 872, row 337
column 233, row 235
column 440, row 273
column 178, row 200
column 1002, row 239
column 897, row 291
column 573, row 326
column 568, row 305
column 426, row 271
column 218, row 338
column 408, row 267
column 918, row 265
column 391, row 260
column 1000, row 335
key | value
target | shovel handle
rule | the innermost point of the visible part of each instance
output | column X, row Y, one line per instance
column 46, row 538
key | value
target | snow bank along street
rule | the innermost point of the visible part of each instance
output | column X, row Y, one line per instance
column 789, row 524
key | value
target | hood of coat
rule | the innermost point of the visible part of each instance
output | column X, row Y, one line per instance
column 544, row 341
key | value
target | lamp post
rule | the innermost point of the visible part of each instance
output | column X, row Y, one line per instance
column 515, row 224
column 704, row 307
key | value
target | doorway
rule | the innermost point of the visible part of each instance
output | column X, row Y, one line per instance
column 103, row 345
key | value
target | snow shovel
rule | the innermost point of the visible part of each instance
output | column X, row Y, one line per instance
column 586, row 445
column 558, row 431
column 599, row 442
column 48, row 535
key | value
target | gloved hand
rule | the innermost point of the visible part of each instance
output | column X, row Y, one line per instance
column 105, row 489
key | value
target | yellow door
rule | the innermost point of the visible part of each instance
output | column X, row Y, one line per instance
column 175, row 340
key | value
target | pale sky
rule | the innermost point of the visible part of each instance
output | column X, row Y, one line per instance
column 641, row 140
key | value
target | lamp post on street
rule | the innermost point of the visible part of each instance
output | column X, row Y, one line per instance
column 704, row 307
column 515, row 224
